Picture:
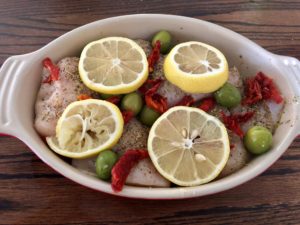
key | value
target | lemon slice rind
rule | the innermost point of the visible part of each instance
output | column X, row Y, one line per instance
column 197, row 181
column 120, row 88
column 59, row 143
column 206, row 82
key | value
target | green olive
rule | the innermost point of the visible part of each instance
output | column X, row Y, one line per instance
column 104, row 164
column 228, row 96
column 148, row 116
column 165, row 41
column 258, row 140
column 107, row 96
column 132, row 102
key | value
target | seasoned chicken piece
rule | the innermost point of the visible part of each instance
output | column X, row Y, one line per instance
column 53, row 98
column 134, row 136
column 239, row 156
column 158, row 71
column 145, row 174
column 276, row 112
column 267, row 115
column 217, row 110
column 262, row 117
column 145, row 45
column 235, row 79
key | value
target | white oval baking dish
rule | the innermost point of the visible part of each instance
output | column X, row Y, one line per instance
column 20, row 78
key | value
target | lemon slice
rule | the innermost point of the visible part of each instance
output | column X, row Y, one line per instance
column 188, row 146
column 86, row 128
column 196, row 67
column 113, row 65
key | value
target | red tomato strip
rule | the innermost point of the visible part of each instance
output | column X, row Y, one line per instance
column 187, row 100
column 253, row 92
column 207, row 104
column 122, row 168
column 154, row 56
column 156, row 102
column 153, row 99
column 260, row 88
column 53, row 69
column 149, row 84
column 83, row 97
column 232, row 122
column 127, row 116
column 268, row 89
column 243, row 118
column 114, row 99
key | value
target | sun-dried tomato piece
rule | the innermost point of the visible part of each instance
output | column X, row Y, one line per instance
column 187, row 100
column 83, row 97
column 150, row 84
column 207, row 104
column 154, row 56
column 153, row 99
column 156, row 102
column 53, row 69
column 114, row 99
column 127, row 116
column 232, row 122
column 122, row 168
column 260, row 88
column 268, row 89
column 253, row 92
column 243, row 118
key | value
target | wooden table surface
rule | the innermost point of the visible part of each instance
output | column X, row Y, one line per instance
column 33, row 193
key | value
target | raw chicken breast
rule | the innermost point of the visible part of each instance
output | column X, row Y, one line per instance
column 239, row 156
column 267, row 114
column 134, row 136
column 235, row 79
column 263, row 116
column 145, row 174
column 145, row 45
column 53, row 98
column 276, row 112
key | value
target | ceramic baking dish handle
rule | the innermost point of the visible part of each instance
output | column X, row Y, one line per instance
column 10, row 74
column 292, row 67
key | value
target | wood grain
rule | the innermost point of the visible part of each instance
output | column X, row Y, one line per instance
column 32, row 193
